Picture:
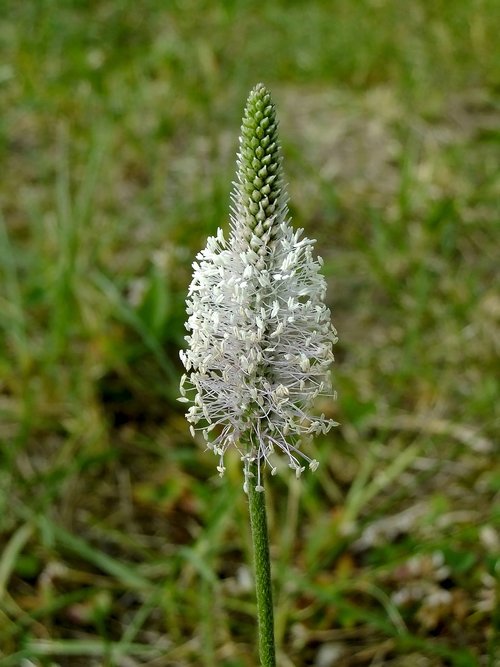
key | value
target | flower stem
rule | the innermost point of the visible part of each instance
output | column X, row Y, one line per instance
column 262, row 564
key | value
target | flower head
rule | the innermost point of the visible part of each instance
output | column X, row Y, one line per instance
column 260, row 336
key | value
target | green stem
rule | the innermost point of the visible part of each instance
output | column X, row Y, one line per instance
column 262, row 564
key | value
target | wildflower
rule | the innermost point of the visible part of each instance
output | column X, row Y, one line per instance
column 260, row 336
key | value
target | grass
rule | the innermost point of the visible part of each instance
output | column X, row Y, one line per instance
column 119, row 127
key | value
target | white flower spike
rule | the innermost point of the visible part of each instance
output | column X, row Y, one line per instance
column 260, row 336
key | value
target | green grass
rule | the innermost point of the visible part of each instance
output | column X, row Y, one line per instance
column 118, row 131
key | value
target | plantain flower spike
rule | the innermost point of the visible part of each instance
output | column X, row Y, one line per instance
column 260, row 337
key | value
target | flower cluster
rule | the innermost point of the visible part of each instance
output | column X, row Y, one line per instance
column 260, row 336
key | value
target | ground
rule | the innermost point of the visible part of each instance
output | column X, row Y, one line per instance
column 120, row 545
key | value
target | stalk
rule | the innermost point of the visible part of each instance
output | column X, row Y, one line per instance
column 262, row 566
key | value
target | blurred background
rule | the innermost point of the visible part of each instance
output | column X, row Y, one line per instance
column 119, row 544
